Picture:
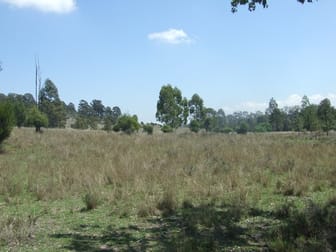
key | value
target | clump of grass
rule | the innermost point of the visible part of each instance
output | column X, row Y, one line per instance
column 168, row 204
column 91, row 201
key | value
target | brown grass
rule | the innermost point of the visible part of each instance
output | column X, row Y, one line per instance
column 149, row 170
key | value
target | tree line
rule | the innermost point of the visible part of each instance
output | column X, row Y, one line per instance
column 174, row 110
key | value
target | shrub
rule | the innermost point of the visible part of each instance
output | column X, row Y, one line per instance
column 148, row 128
column 6, row 121
column 128, row 124
column 194, row 126
column 166, row 129
column 91, row 201
column 243, row 128
column 37, row 119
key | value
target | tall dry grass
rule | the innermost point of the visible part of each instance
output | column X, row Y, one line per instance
column 145, row 172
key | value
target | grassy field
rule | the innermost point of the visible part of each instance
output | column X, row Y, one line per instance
column 68, row 190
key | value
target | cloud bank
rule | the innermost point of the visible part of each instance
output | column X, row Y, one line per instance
column 55, row 6
column 171, row 36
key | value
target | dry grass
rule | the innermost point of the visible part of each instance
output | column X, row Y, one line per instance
column 63, row 163
column 147, row 175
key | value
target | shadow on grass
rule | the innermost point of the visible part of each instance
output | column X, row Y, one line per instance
column 201, row 228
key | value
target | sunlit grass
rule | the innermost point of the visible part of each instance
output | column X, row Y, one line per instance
column 142, row 175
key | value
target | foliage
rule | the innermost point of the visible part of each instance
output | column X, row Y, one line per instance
column 253, row 3
column 170, row 107
column 51, row 105
column 194, row 126
column 243, row 128
column 81, row 123
column 326, row 114
column 6, row 120
column 148, row 128
column 37, row 119
column 166, row 129
column 128, row 124
column 263, row 127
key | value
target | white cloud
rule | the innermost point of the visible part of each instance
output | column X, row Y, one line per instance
column 56, row 6
column 171, row 36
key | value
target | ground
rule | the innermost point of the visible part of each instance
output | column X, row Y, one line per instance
column 71, row 190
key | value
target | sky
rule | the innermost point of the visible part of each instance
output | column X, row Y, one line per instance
column 123, row 51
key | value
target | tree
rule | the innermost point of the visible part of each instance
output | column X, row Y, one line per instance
column 98, row 108
column 326, row 114
column 275, row 115
column 37, row 119
column 253, row 3
column 243, row 128
column 128, row 124
column 170, row 107
column 196, row 108
column 6, row 121
column 51, row 105
column 310, row 118
column 194, row 126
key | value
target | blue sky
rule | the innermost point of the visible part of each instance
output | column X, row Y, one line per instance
column 122, row 51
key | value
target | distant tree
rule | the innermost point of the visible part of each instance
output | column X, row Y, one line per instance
column 210, row 120
column 309, row 117
column 116, row 113
column 71, row 110
column 98, row 108
column 170, row 106
column 128, row 124
column 243, row 128
column 253, row 3
column 275, row 115
column 326, row 114
column 196, row 108
column 263, row 127
column 37, row 119
column 51, row 105
column 28, row 100
column 6, row 121
column 85, row 116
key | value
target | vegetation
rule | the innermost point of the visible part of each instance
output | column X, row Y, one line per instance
column 185, row 192
column 6, row 121
column 253, row 3
column 128, row 124
column 37, row 119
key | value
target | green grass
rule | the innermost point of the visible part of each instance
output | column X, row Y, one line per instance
column 69, row 190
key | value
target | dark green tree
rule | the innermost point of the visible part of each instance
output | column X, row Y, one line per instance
column 51, row 105
column 243, row 128
column 6, row 121
column 275, row 115
column 128, row 124
column 326, row 114
column 170, row 107
column 98, row 108
column 195, row 126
